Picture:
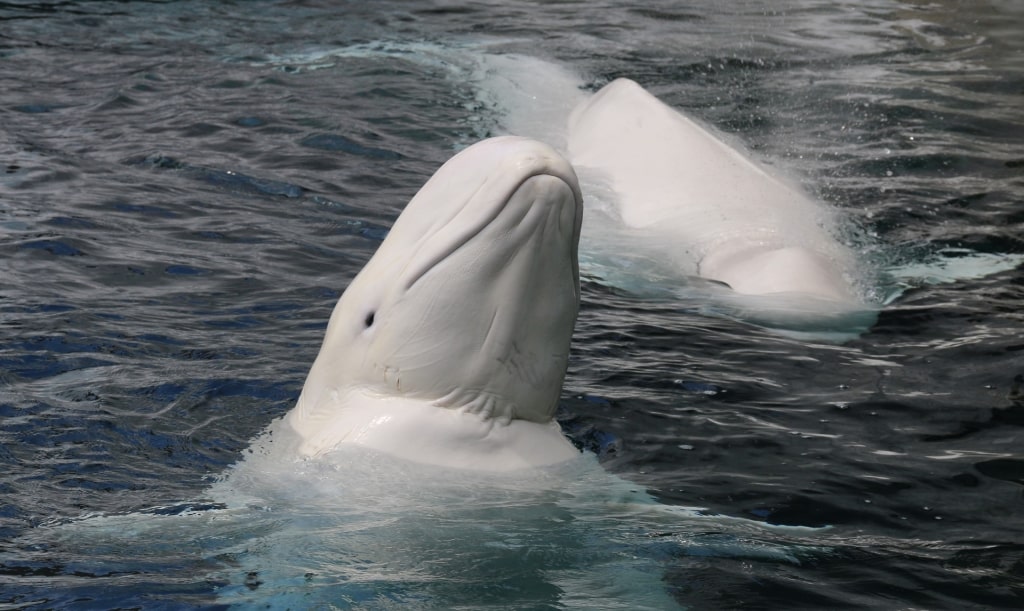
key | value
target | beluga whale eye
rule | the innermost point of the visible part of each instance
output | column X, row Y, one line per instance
column 368, row 321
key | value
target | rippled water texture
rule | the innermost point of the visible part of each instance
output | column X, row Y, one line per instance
column 186, row 187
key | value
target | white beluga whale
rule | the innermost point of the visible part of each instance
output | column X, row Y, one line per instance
column 451, row 344
column 708, row 208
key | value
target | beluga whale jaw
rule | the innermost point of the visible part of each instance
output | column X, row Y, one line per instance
column 451, row 345
column 716, row 213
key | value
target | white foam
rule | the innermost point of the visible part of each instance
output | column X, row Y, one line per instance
column 947, row 266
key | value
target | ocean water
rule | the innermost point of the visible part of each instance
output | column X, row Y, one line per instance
column 187, row 187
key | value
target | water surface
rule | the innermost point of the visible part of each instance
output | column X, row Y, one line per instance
column 186, row 188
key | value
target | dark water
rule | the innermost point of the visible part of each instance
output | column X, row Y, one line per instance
column 186, row 188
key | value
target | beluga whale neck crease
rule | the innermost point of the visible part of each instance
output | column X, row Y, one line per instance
column 450, row 346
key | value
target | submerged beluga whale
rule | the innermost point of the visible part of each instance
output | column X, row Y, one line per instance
column 710, row 209
column 742, row 226
column 451, row 344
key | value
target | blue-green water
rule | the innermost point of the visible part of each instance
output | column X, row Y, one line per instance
column 186, row 188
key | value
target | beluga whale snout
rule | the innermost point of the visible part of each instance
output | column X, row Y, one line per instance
column 451, row 345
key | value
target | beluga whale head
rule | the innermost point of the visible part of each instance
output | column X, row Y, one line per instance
column 450, row 346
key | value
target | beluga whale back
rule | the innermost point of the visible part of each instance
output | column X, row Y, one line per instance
column 450, row 346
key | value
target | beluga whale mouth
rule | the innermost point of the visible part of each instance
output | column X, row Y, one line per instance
column 450, row 346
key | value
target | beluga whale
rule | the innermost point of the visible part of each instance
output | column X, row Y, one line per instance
column 450, row 346
column 706, row 208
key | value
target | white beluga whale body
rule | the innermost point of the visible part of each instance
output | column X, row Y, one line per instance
column 451, row 344
column 715, row 212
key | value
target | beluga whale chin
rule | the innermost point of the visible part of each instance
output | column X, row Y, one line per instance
column 450, row 346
